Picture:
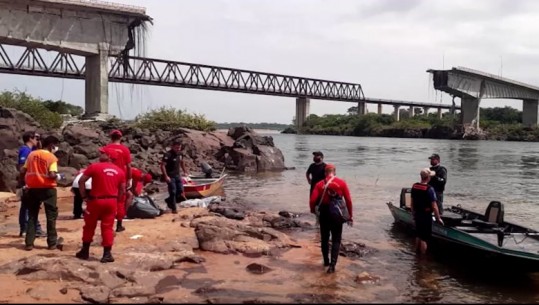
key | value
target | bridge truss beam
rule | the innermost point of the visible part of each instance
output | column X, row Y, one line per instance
column 148, row 71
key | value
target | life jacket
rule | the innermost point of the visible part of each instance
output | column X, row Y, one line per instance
column 37, row 169
column 420, row 198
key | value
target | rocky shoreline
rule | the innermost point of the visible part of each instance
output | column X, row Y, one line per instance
column 240, row 149
column 224, row 253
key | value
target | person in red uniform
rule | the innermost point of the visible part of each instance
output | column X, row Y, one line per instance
column 139, row 181
column 108, row 185
column 124, row 162
column 321, row 196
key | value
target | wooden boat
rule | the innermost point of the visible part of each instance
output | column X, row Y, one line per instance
column 202, row 187
column 488, row 235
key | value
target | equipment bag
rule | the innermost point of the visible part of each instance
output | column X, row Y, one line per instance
column 143, row 207
column 338, row 210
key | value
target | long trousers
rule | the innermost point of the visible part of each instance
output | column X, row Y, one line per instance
column 35, row 197
column 23, row 213
column 105, row 211
column 329, row 227
column 77, row 202
column 120, row 209
column 175, row 190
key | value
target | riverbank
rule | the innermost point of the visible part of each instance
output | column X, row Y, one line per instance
column 187, row 266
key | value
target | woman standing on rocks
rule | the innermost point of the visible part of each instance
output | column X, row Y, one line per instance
column 331, row 186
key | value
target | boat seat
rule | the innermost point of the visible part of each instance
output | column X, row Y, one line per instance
column 406, row 198
column 493, row 216
column 451, row 219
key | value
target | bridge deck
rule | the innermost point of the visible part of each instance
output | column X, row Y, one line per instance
column 91, row 5
column 148, row 71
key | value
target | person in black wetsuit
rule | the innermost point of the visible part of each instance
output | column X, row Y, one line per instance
column 423, row 204
column 317, row 170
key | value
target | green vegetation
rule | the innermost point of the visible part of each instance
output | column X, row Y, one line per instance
column 169, row 118
column 270, row 126
column 497, row 124
column 34, row 107
column 62, row 107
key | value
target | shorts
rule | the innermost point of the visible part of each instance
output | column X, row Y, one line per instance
column 423, row 227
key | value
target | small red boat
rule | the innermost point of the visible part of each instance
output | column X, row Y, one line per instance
column 203, row 187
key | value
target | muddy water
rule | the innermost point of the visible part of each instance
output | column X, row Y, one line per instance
column 376, row 169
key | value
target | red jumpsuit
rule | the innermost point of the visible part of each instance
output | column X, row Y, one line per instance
column 124, row 158
column 103, row 203
column 136, row 176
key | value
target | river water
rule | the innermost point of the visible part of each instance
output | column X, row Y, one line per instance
column 376, row 169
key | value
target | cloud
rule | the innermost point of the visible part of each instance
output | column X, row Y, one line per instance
column 385, row 45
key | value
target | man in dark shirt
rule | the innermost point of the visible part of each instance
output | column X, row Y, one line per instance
column 317, row 170
column 439, row 180
column 31, row 142
column 423, row 205
column 170, row 168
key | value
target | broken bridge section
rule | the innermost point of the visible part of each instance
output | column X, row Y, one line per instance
column 471, row 86
column 93, row 29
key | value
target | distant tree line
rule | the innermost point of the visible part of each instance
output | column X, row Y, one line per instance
column 270, row 126
column 499, row 123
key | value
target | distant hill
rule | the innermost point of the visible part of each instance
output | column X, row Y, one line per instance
column 270, row 126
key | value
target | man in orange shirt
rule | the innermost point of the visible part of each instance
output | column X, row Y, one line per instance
column 330, row 186
column 123, row 162
column 40, row 172
column 108, row 186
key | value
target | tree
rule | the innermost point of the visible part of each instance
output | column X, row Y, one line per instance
column 352, row 110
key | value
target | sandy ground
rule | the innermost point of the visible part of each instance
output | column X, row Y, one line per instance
column 297, row 275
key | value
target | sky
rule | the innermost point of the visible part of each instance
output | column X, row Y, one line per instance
column 384, row 45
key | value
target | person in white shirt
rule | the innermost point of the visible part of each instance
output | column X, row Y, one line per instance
column 77, row 200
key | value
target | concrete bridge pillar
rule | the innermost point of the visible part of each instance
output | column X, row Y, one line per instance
column 397, row 114
column 439, row 113
column 302, row 111
column 530, row 112
column 97, row 83
column 379, row 108
column 411, row 111
column 470, row 111
column 361, row 108
column 426, row 110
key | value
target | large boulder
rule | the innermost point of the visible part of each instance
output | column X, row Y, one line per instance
column 13, row 124
column 223, row 235
column 241, row 149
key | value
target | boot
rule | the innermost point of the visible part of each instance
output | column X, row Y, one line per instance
column 84, row 253
column 119, row 227
column 107, row 256
column 331, row 269
column 326, row 262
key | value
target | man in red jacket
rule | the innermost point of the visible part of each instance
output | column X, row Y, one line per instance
column 334, row 186
column 123, row 162
column 108, row 185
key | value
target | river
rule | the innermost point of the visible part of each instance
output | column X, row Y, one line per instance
column 376, row 169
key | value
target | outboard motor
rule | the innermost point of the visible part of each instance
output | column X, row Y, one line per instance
column 206, row 169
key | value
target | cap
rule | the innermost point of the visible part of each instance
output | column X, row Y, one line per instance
column 330, row 166
column 318, row 153
column 426, row 172
column 147, row 178
column 435, row 156
column 116, row 132
column 113, row 155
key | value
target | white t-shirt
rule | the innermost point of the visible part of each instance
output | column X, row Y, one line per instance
column 88, row 183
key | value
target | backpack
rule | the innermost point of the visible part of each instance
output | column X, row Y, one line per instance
column 338, row 210
column 143, row 207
